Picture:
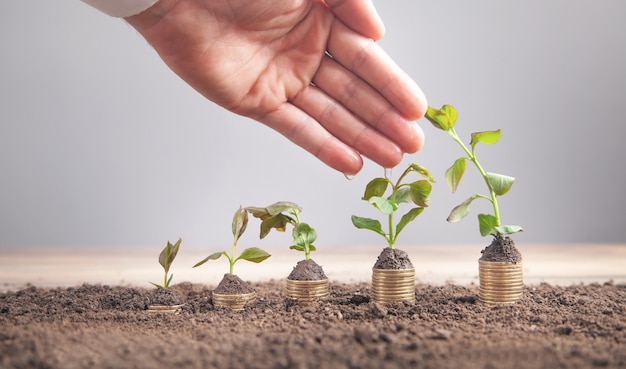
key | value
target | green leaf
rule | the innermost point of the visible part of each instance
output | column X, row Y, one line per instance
column 302, row 248
column 408, row 218
column 487, row 137
column 508, row 229
column 157, row 285
column 487, row 224
column 278, row 222
column 461, row 210
column 422, row 171
column 367, row 223
column 304, row 234
column 283, row 206
column 376, row 187
column 420, row 192
column 444, row 118
column 167, row 256
column 240, row 222
column 454, row 174
column 169, row 280
column 253, row 254
column 384, row 205
column 213, row 256
column 296, row 247
column 260, row 213
column 403, row 195
column 500, row 183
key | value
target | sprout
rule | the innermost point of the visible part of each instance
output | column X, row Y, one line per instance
column 166, row 258
column 416, row 193
column 253, row 254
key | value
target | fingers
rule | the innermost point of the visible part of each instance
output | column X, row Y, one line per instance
column 360, row 98
column 360, row 15
column 368, row 61
column 347, row 127
column 306, row 132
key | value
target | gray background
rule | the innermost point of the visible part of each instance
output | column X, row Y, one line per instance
column 102, row 145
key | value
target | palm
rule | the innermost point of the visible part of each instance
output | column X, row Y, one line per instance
column 266, row 60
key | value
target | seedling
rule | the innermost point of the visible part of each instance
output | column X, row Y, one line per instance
column 166, row 258
column 497, row 184
column 277, row 216
column 416, row 192
column 253, row 254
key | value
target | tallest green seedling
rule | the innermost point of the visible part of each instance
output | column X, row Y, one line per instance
column 497, row 184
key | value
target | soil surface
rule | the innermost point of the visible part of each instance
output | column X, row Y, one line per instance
column 393, row 259
column 501, row 249
column 100, row 326
column 231, row 284
column 307, row 270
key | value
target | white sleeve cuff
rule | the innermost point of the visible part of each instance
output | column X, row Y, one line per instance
column 121, row 8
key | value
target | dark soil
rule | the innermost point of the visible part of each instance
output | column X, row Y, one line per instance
column 99, row 326
column 307, row 270
column 393, row 259
column 160, row 296
column 501, row 249
column 231, row 284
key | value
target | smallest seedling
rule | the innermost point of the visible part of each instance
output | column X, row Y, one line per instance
column 253, row 254
column 166, row 258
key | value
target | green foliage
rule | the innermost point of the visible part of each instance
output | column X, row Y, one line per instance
column 252, row 254
column 166, row 258
column 415, row 193
column 498, row 184
column 277, row 216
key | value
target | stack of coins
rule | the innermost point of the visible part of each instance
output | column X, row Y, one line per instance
column 500, row 282
column 165, row 309
column 308, row 291
column 234, row 302
column 393, row 285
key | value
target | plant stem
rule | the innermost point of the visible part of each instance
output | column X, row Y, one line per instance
column 472, row 157
column 231, row 259
column 391, row 237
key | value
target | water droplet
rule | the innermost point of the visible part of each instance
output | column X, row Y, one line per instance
column 388, row 173
column 349, row 177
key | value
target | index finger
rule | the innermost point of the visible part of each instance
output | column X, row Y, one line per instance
column 365, row 58
column 360, row 15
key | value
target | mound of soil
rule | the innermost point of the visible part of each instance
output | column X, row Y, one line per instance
column 501, row 249
column 393, row 259
column 100, row 326
column 307, row 270
column 231, row 284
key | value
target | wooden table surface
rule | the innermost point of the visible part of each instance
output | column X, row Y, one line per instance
column 556, row 264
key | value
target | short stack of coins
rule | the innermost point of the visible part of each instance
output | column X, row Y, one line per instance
column 393, row 285
column 308, row 291
column 500, row 282
column 235, row 302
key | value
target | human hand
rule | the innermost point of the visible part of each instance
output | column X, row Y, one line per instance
column 310, row 70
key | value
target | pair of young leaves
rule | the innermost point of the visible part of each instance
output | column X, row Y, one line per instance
column 498, row 184
column 166, row 258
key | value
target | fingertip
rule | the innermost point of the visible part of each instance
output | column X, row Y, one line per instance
column 342, row 159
